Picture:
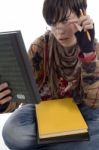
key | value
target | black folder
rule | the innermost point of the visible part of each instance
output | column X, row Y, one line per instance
column 15, row 68
column 61, row 139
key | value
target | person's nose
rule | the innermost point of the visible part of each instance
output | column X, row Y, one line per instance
column 60, row 25
column 60, row 28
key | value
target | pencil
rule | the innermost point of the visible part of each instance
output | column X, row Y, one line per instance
column 88, row 34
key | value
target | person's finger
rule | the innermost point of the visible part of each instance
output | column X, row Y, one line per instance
column 87, row 27
column 77, row 27
column 5, row 93
column 3, row 86
column 84, row 19
column 88, row 24
column 5, row 100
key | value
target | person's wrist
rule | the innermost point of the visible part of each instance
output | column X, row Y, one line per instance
column 87, row 54
column 86, row 45
column 87, row 57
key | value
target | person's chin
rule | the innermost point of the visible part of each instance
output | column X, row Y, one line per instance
column 67, row 43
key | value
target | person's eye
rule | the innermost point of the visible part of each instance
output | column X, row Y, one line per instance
column 65, row 19
column 53, row 25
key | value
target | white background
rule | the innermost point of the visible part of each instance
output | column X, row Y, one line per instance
column 26, row 15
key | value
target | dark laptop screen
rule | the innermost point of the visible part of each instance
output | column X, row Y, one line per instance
column 15, row 68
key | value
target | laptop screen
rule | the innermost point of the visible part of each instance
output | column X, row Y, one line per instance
column 15, row 68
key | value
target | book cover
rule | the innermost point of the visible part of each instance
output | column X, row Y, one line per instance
column 60, row 120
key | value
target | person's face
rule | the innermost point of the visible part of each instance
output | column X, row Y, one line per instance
column 64, row 31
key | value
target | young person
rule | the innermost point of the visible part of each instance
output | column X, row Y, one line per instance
column 65, row 64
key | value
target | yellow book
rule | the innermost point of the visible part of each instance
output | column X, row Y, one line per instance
column 60, row 120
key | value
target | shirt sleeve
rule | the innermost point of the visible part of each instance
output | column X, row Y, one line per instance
column 9, row 107
column 90, row 77
column 36, row 54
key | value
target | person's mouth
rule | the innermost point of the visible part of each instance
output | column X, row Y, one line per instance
column 64, row 39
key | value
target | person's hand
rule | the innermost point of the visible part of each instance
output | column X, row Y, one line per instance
column 86, row 45
column 5, row 94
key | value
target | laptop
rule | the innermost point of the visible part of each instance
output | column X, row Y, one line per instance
column 15, row 68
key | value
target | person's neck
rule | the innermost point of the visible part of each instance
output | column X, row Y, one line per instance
column 70, row 47
column 74, row 42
